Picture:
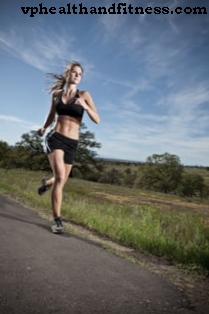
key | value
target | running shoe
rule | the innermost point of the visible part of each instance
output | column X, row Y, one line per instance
column 57, row 226
column 43, row 188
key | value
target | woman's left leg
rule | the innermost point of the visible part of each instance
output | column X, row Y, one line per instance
column 45, row 185
column 48, row 182
column 61, row 172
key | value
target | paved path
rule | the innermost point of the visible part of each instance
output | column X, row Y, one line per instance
column 45, row 273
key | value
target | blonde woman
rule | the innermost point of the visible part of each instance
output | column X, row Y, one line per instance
column 69, row 105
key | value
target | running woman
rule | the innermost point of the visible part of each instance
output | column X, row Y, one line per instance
column 68, row 104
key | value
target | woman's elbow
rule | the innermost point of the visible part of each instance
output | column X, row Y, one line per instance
column 97, row 120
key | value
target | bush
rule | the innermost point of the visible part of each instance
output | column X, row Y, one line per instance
column 192, row 185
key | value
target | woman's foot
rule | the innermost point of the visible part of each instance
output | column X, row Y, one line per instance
column 57, row 226
column 43, row 188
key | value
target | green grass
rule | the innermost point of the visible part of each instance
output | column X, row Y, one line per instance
column 162, row 225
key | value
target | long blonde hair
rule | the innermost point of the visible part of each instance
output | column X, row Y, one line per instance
column 61, row 78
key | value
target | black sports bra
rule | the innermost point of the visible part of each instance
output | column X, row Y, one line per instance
column 70, row 109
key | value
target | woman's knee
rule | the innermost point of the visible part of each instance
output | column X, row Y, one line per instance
column 60, row 179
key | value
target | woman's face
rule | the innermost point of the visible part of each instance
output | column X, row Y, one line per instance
column 74, row 75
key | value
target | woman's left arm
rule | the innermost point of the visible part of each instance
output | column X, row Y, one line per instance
column 87, row 103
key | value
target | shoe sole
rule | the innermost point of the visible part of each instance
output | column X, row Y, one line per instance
column 41, row 190
column 57, row 231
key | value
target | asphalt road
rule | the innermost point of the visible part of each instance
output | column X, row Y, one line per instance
column 45, row 273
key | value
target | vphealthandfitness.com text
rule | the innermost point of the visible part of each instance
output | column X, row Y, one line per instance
column 119, row 8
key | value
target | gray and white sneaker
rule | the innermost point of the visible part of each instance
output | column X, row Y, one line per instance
column 57, row 226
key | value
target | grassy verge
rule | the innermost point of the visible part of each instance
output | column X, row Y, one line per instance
column 150, row 222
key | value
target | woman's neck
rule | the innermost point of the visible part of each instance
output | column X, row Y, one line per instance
column 70, row 89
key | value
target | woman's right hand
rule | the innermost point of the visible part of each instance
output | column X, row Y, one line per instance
column 41, row 131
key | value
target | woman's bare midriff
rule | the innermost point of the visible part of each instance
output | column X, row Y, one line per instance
column 68, row 127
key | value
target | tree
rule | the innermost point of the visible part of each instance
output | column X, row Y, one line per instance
column 192, row 185
column 4, row 154
column 129, row 177
column 161, row 173
column 32, row 143
column 85, row 157
column 112, row 176
column 30, row 152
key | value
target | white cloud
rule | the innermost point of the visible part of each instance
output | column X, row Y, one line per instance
column 42, row 50
column 17, row 120
column 13, row 127
column 183, row 128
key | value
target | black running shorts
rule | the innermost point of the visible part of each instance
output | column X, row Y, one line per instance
column 55, row 140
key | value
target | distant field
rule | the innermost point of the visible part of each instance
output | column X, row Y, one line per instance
column 138, row 167
column 163, row 225
column 201, row 171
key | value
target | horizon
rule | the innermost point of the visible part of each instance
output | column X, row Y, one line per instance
column 99, row 157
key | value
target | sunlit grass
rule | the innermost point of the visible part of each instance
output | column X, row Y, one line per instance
column 182, row 236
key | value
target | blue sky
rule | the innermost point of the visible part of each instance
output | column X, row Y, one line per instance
column 148, row 75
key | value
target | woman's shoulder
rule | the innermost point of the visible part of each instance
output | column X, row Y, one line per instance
column 83, row 93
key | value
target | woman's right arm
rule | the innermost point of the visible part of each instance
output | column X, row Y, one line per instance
column 50, row 117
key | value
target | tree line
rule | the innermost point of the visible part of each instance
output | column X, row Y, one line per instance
column 163, row 173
